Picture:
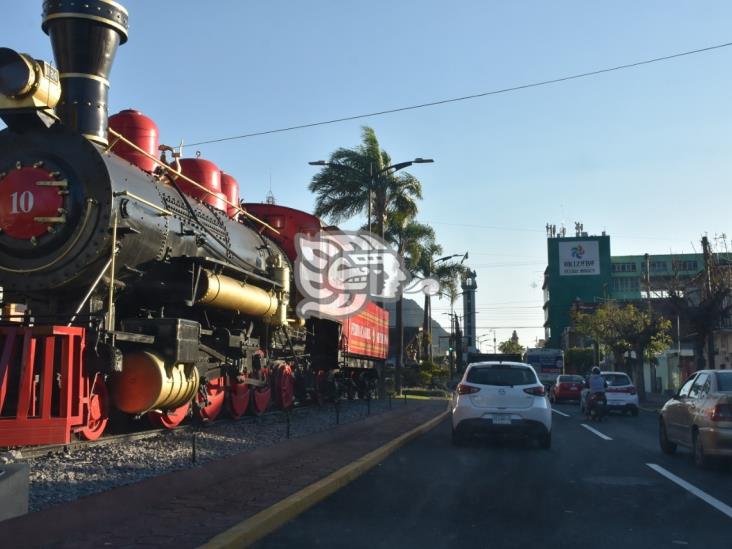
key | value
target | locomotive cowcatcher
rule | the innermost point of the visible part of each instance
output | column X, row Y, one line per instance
column 137, row 285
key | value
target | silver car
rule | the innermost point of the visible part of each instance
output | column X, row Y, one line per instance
column 699, row 417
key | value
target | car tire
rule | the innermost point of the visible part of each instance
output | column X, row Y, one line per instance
column 667, row 447
column 458, row 439
column 701, row 460
column 634, row 411
column 545, row 440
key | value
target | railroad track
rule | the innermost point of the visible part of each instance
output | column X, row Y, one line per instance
column 29, row 452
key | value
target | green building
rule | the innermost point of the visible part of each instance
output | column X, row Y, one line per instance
column 581, row 270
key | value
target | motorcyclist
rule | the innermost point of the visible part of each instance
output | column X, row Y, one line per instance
column 596, row 385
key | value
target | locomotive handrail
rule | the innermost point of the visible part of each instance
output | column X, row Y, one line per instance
column 141, row 200
column 172, row 170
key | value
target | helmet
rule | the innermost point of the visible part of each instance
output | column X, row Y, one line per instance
column 596, row 370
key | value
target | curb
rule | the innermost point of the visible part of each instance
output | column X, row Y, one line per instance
column 256, row 527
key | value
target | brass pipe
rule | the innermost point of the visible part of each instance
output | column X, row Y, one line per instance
column 228, row 293
column 191, row 181
column 145, row 384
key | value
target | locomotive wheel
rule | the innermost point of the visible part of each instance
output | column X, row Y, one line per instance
column 285, row 387
column 170, row 418
column 215, row 395
column 237, row 402
column 98, row 412
column 260, row 399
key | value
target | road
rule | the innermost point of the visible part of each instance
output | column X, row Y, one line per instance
column 587, row 491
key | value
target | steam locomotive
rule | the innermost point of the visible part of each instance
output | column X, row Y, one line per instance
column 134, row 283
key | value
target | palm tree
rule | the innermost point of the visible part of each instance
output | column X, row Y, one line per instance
column 409, row 237
column 448, row 276
column 344, row 187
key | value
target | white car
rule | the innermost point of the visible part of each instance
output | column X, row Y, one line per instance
column 621, row 394
column 503, row 398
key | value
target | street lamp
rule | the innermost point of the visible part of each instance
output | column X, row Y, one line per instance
column 373, row 176
column 464, row 258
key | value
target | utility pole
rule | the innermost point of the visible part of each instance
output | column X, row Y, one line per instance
column 708, row 290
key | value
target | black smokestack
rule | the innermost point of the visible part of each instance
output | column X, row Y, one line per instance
column 85, row 36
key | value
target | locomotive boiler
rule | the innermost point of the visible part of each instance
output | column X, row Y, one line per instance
column 134, row 282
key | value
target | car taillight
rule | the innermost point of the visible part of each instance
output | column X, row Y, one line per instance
column 467, row 389
column 536, row 391
column 722, row 412
column 631, row 390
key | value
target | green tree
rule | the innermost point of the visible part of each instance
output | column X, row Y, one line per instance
column 627, row 328
column 511, row 346
column 409, row 238
column 343, row 191
column 447, row 274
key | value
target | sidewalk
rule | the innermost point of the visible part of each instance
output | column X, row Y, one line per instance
column 187, row 508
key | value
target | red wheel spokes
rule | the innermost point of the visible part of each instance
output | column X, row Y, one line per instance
column 169, row 419
column 238, row 399
column 285, row 387
column 98, row 410
column 215, row 395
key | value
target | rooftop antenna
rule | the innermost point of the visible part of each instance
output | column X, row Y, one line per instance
column 270, row 195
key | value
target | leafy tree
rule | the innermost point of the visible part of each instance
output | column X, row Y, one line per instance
column 409, row 237
column 447, row 274
column 579, row 360
column 511, row 346
column 627, row 328
column 343, row 191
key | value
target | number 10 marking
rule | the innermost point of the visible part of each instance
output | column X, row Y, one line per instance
column 25, row 202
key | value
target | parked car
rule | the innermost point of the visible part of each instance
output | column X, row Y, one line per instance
column 503, row 398
column 620, row 392
column 566, row 387
column 699, row 417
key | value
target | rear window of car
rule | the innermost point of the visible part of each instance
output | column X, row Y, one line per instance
column 617, row 380
column 501, row 375
column 571, row 379
column 724, row 381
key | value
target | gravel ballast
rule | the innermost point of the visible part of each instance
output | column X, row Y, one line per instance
column 61, row 477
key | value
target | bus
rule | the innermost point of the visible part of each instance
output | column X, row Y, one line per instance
column 547, row 363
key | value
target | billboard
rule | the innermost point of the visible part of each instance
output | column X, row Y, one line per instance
column 367, row 333
column 579, row 257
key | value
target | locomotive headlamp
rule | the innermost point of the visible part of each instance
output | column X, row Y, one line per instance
column 26, row 82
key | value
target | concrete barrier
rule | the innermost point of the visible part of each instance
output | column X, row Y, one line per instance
column 13, row 490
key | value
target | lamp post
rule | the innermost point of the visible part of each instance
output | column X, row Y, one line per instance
column 373, row 177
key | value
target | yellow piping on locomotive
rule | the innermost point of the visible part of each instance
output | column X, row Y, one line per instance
column 228, row 293
column 145, row 384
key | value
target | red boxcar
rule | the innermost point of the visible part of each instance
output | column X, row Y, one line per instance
column 367, row 333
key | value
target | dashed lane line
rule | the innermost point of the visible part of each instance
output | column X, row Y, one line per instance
column 560, row 413
column 596, row 432
column 711, row 500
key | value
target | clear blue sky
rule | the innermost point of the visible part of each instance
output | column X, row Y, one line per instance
column 643, row 153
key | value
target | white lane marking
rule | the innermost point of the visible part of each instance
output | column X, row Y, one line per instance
column 595, row 431
column 560, row 413
column 711, row 500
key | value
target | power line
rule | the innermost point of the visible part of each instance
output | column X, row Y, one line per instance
column 467, row 97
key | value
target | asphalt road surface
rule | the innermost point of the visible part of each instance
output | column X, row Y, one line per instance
column 587, row 491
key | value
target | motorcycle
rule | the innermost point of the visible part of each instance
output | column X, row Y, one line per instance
column 596, row 407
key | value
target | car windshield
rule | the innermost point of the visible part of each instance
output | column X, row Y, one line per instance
column 501, row 375
column 617, row 380
column 724, row 381
column 571, row 379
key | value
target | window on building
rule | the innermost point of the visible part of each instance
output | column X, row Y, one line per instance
column 624, row 267
column 658, row 266
column 625, row 284
column 686, row 265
